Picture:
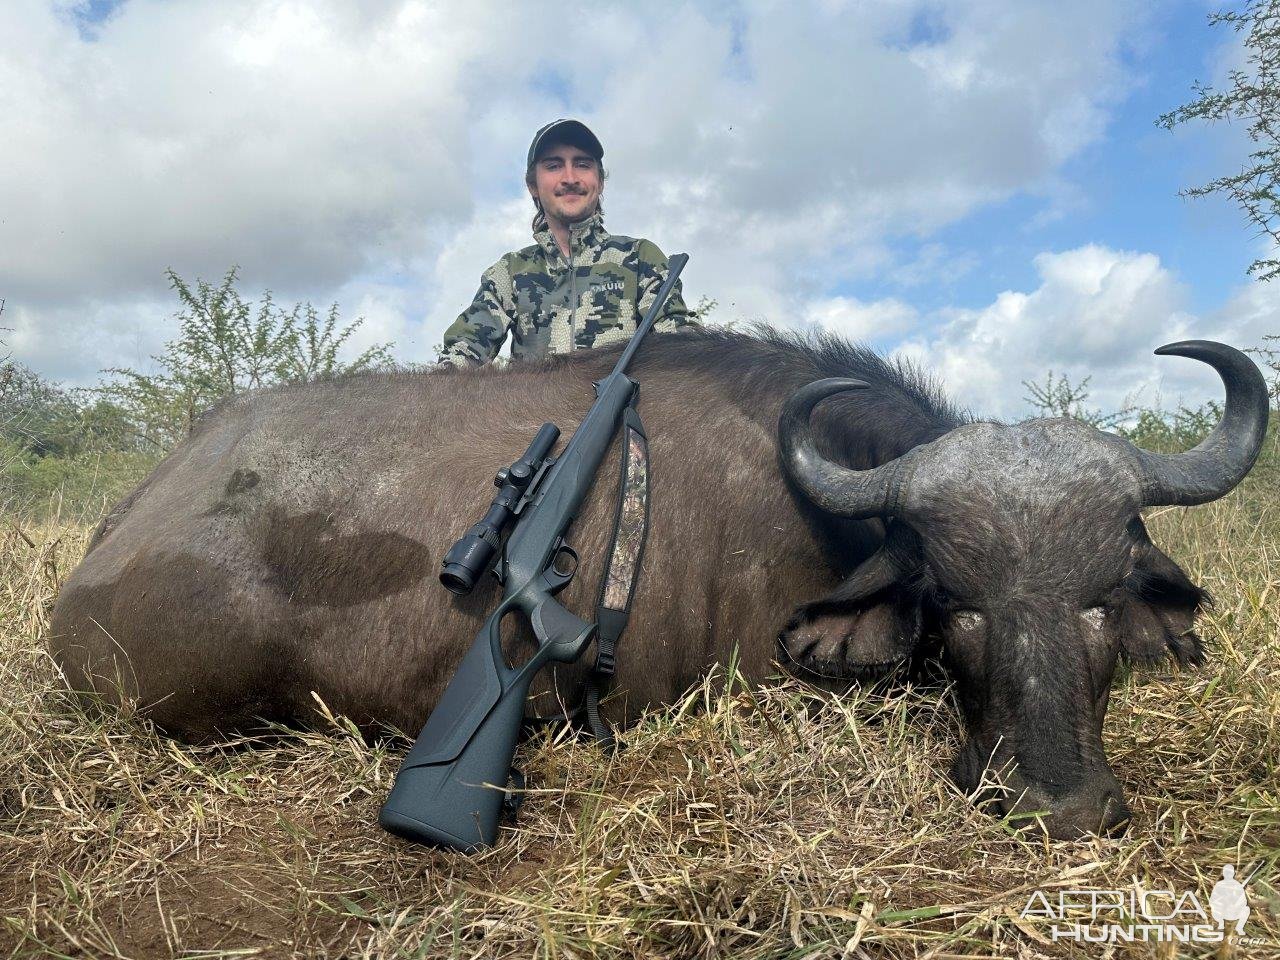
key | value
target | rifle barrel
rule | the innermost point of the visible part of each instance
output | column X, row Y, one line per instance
column 674, row 266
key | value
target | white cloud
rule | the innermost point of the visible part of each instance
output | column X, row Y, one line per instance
column 372, row 151
column 74, row 341
column 859, row 320
column 287, row 136
column 1097, row 313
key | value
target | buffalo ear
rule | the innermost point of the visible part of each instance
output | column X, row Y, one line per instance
column 867, row 626
column 865, row 641
column 1158, row 617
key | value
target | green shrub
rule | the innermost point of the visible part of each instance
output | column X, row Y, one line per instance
column 80, row 485
column 225, row 346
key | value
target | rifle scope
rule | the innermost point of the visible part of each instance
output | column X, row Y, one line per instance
column 473, row 553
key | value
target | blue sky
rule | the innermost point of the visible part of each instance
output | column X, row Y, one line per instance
column 89, row 14
column 1128, row 183
column 976, row 184
column 1123, row 189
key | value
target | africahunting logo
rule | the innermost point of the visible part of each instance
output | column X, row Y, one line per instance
column 1149, row 916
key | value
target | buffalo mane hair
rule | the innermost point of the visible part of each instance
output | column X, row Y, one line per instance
column 903, row 406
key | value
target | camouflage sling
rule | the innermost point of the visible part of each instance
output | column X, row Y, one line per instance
column 618, row 586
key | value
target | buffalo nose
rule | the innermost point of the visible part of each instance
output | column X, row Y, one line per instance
column 1103, row 813
column 1116, row 816
column 1095, row 806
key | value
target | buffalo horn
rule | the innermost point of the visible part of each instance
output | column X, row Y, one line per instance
column 1220, row 461
column 836, row 489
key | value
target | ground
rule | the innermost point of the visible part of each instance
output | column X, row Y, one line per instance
column 774, row 823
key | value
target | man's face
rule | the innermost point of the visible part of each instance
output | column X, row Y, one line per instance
column 567, row 183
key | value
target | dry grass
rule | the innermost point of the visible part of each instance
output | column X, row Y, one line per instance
column 774, row 824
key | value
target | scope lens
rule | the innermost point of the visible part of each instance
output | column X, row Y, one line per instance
column 457, row 578
column 465, row 561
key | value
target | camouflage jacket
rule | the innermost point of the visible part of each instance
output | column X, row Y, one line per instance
column 554, row 305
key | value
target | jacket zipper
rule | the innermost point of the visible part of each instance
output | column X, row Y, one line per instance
column 573, row 296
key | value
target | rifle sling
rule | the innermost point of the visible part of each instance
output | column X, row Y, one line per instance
column 618, row 585
column 622, row 573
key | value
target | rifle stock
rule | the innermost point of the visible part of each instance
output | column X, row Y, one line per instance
column 451, row 786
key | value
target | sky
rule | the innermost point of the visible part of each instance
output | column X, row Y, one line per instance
column 979, row 186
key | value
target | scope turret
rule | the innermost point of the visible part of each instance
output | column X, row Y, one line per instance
column 473, row 553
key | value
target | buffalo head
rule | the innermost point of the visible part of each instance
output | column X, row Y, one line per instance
column 1022, row 547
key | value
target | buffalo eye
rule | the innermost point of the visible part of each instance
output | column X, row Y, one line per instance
column 966, row 632
column 1095, row 617
column 1100, row 648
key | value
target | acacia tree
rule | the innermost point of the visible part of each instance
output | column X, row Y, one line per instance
column 1254, row 97
column 225, row 346
column 1059, row 397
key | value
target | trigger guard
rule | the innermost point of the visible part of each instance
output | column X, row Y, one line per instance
column 556, row 580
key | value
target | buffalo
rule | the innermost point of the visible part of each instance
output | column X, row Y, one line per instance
column 291, row 545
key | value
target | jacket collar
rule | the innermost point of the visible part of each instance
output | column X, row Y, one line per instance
column 588, row 232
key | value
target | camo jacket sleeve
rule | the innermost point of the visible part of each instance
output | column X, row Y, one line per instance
column 477, row 335
column 651, row 271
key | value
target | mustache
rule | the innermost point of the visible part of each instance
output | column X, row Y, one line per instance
column 572, row 191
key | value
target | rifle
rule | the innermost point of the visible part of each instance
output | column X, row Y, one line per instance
column 451, row 786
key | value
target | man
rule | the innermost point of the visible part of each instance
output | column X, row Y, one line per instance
column 577, row 286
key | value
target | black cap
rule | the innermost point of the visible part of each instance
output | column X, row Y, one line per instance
column 573, row 132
